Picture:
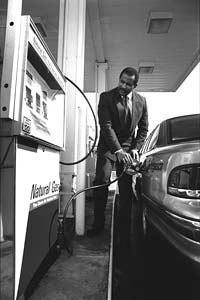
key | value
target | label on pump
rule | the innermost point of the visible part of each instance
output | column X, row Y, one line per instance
column 42, row 194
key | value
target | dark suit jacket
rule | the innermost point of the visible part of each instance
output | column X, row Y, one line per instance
column 113, row 135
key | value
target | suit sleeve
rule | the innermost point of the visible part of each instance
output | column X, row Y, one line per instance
column 105, row 121
column 142, row 128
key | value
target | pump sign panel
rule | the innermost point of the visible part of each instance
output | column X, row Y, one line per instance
column 37, row 96
column 42, row 109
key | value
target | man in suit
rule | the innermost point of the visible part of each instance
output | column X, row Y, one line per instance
column 123, row 120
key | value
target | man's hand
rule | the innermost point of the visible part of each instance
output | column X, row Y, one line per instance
column 134, row 154
column 124, row 157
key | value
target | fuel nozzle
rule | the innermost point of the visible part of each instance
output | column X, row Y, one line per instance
column 133, row 168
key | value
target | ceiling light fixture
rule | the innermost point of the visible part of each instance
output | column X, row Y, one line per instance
column 146, row 67
column 159, row 22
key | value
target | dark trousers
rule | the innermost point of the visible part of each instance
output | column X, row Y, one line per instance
column 104, row 167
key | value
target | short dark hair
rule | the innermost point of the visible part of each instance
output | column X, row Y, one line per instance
column 130, row 72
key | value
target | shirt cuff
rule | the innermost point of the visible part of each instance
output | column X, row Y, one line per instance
column 120, row 150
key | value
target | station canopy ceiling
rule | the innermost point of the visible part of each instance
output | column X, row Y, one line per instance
column 158, row 37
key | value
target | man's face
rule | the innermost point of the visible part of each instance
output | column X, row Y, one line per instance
column 126, row 84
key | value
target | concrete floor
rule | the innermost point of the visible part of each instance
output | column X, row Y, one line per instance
column 81, row 276
column 6, row 270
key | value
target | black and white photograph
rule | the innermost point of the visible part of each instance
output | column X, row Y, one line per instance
column 99, row 149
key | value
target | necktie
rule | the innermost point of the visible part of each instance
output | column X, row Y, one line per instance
column 126, row 109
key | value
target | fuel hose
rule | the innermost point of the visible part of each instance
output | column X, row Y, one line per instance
column 95, row 124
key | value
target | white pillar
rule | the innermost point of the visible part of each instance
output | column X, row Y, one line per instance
column 81, row 171
column 71, row 46
column 101, row 82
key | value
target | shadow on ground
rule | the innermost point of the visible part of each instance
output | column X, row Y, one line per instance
column 151, row 268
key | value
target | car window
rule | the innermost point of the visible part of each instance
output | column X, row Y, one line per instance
column 191, row 125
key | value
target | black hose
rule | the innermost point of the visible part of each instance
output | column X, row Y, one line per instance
column 90, row 188
column 96, row 128
column 62, row 242
column 61, row 226
column 61, row 239
column 74, row 163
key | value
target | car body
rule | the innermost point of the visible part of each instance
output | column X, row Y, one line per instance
column 170, row 183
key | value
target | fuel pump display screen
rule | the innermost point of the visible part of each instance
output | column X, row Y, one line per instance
column 43, row 100
column 35, row 93
column 42, row 109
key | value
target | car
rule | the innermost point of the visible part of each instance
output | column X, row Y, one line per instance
column 169, row 187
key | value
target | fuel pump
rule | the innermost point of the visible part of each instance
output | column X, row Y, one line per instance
column 31, row 138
